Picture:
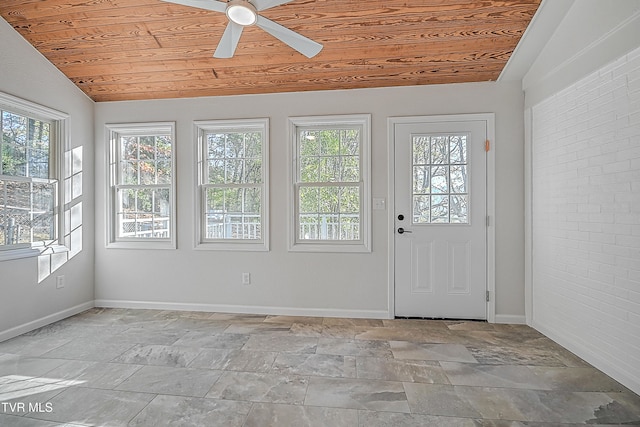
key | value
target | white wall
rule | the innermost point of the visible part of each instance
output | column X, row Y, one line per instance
column 283, row 282
column 29, row 295
column 584, row 94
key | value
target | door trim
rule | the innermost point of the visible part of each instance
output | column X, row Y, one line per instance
column 489, row 118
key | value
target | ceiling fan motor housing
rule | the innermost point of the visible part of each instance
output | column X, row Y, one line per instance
column 242, row 12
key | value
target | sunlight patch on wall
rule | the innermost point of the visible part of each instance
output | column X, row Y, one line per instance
column 52, row 259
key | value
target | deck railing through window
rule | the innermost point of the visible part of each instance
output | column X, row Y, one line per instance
column 239, row 226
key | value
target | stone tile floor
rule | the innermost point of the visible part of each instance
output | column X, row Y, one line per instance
column 119, row 367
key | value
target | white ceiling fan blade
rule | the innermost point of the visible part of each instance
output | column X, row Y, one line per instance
column 229, row 41
column 267, row 4
column 305, row 46
column 214, row 5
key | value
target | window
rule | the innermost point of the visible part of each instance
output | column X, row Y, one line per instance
column 232, row 195
column 142, row 181
column 33, row 138
column 440, row 187
column 331, row 189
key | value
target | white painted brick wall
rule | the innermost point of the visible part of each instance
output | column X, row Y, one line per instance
column 586, row 218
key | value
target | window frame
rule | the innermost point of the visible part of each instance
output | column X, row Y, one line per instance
column 363, row 245
column 201, row 128
column 113, row 133
column 59, row 142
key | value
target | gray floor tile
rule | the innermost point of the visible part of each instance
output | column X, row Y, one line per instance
column 338, row 321
column 212, row 358
column 257, row 328
column 421, row 371
column 235, row 360
column 175, row 411
column 307, row 329
column 11, row 364
column 514, row 355
column 357, row 394
column 93, row 374
column 105, row 408
column 186, row 324
column 343, row 332
column 465, row 325
column 438, row 399
column 282, row 343
column 576, row 379
column 421, row 351
column 238, row 317
column 17, row 397
column 135, row 335
column 28, row 346
column 391, row 419
column 89, row 349
column 295, row 319
column 174, row 381
column 407, row 334
column 348, row 347
column 269, row 414
column 259, row 387
column 511, row 376
column 326, row 365
column 18, row 421
column 208, row 340
column 161, row 355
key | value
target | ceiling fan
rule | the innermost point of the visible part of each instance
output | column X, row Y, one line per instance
column 243, row 13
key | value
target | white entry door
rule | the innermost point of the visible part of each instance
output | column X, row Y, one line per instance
column 440, row 214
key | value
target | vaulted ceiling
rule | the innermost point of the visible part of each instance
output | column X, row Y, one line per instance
column 147, row 49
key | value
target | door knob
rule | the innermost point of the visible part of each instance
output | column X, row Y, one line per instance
column 402, row 231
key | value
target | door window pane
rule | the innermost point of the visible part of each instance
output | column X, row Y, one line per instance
column 440, row 185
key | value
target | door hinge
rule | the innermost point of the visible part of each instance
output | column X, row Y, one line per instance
column 487, row 145
column 487, row 296
column 488, row 220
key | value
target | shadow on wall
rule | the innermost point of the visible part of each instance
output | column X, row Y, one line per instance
column 51, row 260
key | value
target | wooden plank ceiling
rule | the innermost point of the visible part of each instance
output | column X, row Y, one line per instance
column 148, row 49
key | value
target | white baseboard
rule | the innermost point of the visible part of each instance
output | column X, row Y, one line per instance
column 244, row 309
column 604, row 364
column 513, row 319
column 44, row 321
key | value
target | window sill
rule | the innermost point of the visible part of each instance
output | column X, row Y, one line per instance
column 330, row 247
column 160, row 245
column 233, row 246
column 13, row 254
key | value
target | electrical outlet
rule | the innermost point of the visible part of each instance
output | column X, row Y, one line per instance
column 246, row 278
column 59, row 282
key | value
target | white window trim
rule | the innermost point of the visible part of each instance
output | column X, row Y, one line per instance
column 61, row 144
column 146, row 128
column 200, row 127
column 364, row 244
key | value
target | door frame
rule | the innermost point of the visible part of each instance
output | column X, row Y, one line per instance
column 489, row 118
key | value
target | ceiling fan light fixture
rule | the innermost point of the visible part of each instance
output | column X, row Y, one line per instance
column 242, row 12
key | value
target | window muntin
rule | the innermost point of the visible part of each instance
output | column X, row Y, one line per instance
column 28, row 178
column 233, row 199
column 440, row 179
column 142, row 212
column 331, row 183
